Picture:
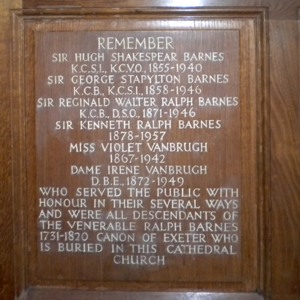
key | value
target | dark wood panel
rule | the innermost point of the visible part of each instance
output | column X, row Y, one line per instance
column 240, row 274
column 284, row 191
column 83, row 295
column 285, row 163
column 278, row 9
column 6, row 219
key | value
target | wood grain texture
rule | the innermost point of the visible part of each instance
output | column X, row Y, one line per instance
column 284, row 267
column 278, row 9
column 6, row 220
column 248, row 264
column 81, row 295
column 285, row 163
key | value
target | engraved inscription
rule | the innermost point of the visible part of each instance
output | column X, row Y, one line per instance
column 138, row 140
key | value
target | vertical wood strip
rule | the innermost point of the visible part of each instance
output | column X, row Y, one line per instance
column 6, row 220
column 285, row 158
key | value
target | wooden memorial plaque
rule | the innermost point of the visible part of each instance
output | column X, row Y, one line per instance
column 143, row 148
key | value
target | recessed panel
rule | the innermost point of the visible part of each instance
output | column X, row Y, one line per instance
column 142, row 161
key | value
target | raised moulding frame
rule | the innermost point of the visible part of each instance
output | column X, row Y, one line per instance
column 251, row 24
